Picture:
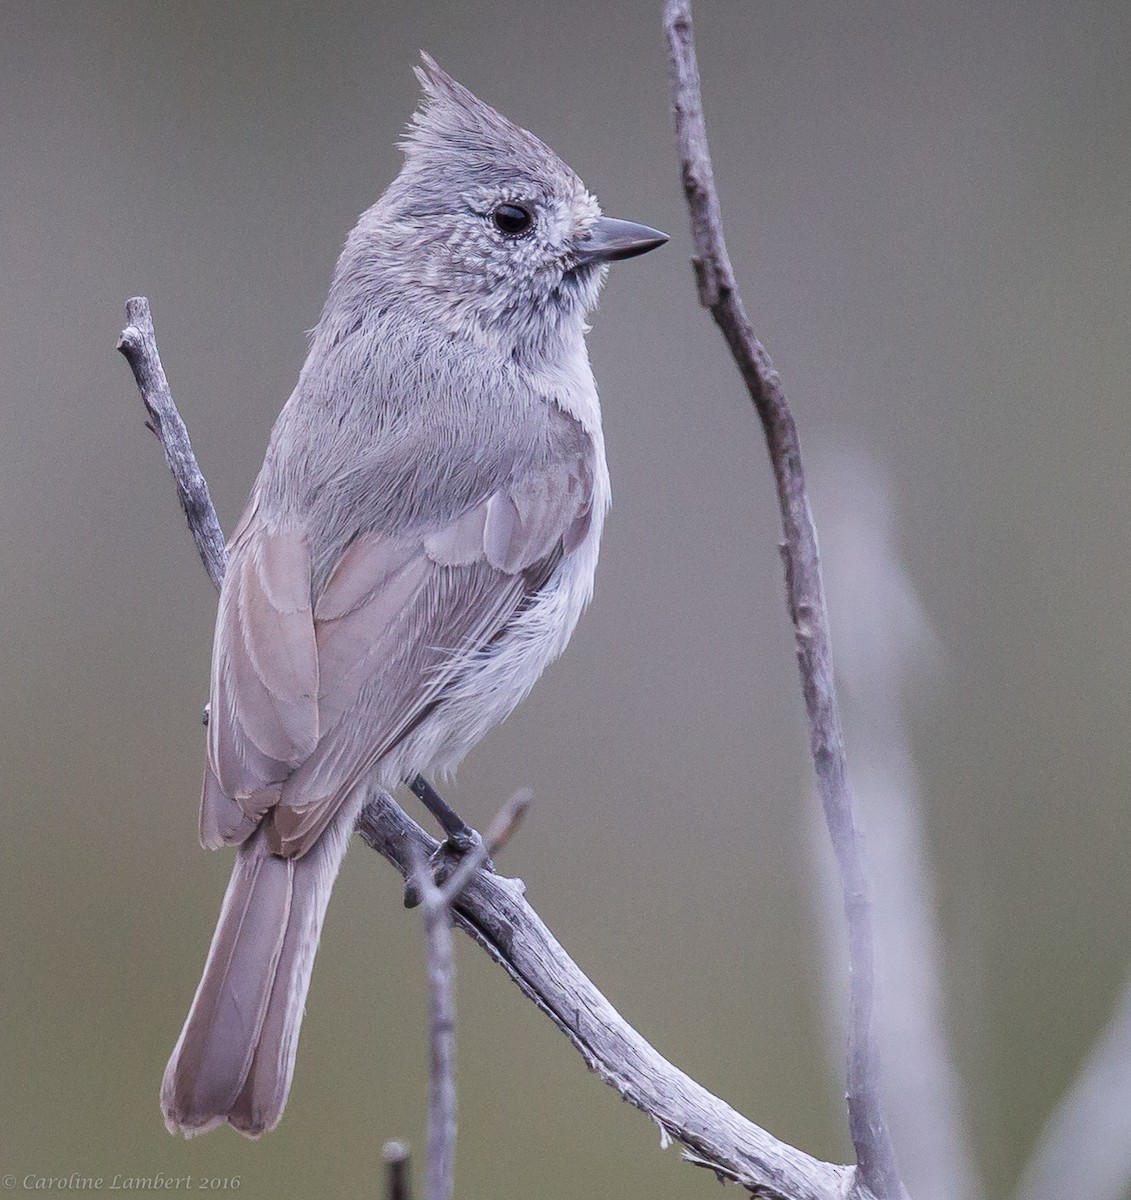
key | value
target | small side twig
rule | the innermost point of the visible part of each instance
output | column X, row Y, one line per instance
column 718, row 292
column 395, row 1156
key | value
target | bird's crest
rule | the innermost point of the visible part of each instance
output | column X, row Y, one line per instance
column 452, row 120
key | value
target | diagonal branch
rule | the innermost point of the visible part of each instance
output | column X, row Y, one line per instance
column 138, row 343
column 718, row 292
column 492, row 910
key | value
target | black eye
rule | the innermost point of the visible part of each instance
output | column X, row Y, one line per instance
column 512, row 218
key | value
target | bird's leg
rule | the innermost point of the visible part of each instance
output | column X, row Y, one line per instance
column 460, row 837
column 458, row 840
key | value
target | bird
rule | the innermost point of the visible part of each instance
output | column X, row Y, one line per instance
column 418, row 546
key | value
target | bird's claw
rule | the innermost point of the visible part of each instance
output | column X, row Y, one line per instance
column 444, row 860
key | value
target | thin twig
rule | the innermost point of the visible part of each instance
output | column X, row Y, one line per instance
column 718, row 292
column 436, row 904
column 138, row 343
column 494, row 913
column 397, row 1162
column 439, row 1165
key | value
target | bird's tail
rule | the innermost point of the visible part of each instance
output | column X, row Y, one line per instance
column 234, row 1059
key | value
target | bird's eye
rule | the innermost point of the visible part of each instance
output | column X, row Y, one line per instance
column 512, row 218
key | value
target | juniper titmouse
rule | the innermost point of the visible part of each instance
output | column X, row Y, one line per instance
column 418, row 546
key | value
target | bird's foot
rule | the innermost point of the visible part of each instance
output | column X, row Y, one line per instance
column 444, row 860
column 460, row 838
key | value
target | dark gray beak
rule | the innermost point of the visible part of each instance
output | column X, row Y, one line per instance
column 610, row 240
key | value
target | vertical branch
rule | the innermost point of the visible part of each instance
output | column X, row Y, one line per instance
column 718, row 292
column 436, row 903
column 441, row 1136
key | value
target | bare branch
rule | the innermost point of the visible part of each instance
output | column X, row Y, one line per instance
column 1085, row 1148
column 396, row 1159
column 492, row 911
column 718, row 292
column 436, row 902
column 138, row 343
column 436, row 908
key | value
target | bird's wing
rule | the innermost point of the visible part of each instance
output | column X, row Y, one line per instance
column 308, row 693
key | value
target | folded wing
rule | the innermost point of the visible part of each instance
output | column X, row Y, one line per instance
column 310, row 692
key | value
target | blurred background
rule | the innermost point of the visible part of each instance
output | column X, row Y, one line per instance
column 927, row 206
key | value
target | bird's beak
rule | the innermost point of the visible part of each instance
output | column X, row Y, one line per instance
column 610, row 239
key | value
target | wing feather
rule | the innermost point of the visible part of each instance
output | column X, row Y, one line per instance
column 263, row 718
column 355, row 629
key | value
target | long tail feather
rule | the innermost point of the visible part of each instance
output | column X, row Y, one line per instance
column 235, row 1057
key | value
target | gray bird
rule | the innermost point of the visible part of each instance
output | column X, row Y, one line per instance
column 418, row 546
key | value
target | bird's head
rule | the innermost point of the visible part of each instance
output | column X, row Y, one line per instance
column 494, row 233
